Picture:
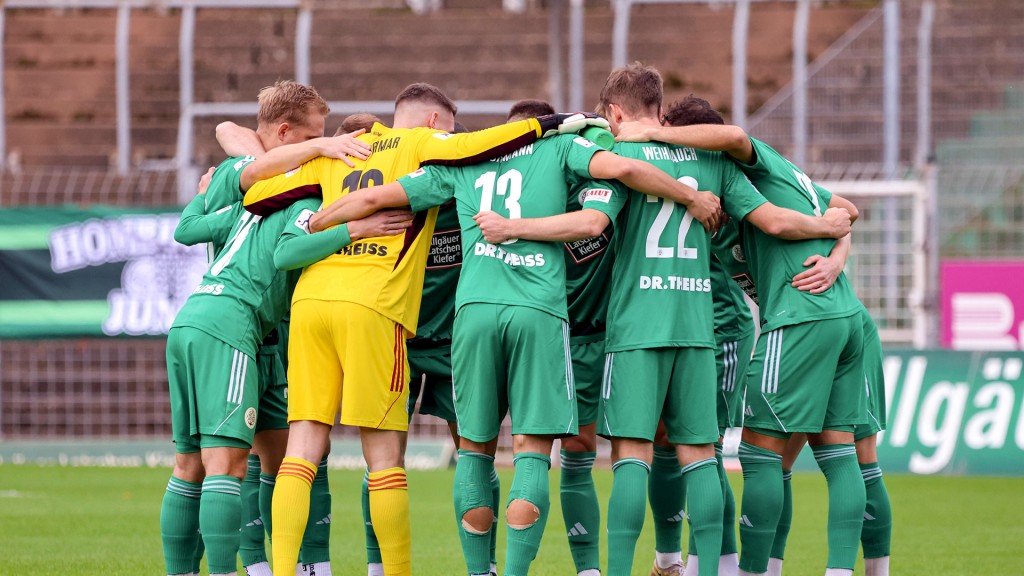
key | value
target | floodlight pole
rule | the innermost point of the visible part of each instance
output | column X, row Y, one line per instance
column 740, row 26
column 124, row 116
column 800, row 22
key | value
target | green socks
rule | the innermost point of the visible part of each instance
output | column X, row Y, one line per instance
column 179, row 525
column 729, row 507
column 267, row 483
column 762, row 505
column 372, row 546
column 626, row 510
column 252, row 549
column 846, row 502
column 530, row 483
column 667, row 494
column 472, row 489
column 316, row 540
column 786, row 519
column 877, row 533
column 704, row 504
column 580, row 509
column 220, row 515
column 495, row 505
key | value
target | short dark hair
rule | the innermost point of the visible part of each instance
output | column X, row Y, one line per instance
column 529, row 108
column 423, row 92
column 634, row 87
column 353, row 122
column 460, row 128
column 692, row 110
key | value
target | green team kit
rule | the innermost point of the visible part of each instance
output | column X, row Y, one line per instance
column 588, row 268
column 656, row 368
column 272, row 359
column 430, row 351
column 806, row 339
column 214, row 339
column 514, row 291
column 734, row 325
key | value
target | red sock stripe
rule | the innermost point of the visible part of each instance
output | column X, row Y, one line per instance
column 392, row 485
column 393, row 480
column 297, row 470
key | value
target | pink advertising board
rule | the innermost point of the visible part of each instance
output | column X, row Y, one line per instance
column 983, row 304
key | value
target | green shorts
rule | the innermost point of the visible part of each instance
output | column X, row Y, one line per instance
column 874, row 378
column 587, row 371
column 808, row 377
column 431, row 370
column 515, row 360
column 731, row 361
column 676, row 385
column 213, row 392
column 271, row 365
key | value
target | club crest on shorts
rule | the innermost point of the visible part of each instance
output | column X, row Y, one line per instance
column 250, row 418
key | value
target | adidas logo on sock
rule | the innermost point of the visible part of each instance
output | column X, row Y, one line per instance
column 578, row 530
column 868, row 516
column 256, row 522
column 678, row 517
column 746, row 521
column 326, row 520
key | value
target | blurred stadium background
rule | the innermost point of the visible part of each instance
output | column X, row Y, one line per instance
column 914, row 109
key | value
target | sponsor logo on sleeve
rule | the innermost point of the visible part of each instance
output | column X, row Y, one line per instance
column 597, row 195
column 417, row 173
column 242, row 162
column 583, row 142
column 302, row 222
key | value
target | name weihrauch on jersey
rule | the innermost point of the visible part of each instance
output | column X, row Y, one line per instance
column 672, row 154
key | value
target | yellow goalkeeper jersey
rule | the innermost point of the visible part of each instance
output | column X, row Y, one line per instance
column 384, row 274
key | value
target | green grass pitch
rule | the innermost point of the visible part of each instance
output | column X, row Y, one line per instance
column 105, row 521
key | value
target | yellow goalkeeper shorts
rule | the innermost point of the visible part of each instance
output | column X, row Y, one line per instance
column 345, row 355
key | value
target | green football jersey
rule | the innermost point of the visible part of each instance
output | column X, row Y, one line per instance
column 437, row 308
column 774, row 262
column 588, row 270
column 661, row 284
column 733, row 319
column 243, row 295
column 531, row 182
column 225, row 189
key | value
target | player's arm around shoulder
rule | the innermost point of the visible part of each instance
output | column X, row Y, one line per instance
column 284, row 158
column 792, row 225
column 732, row 140
column 268, row 196
column 193, row 227
column 356, row 206
column 299, row 246
column 648, row 179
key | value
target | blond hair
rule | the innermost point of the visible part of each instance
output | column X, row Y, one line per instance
column 288, row 101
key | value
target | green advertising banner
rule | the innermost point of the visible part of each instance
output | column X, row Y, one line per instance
column 950, row 412
column 954, row 412
column 73, row 271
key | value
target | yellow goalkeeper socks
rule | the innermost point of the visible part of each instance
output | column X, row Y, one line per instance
column 290, row 510
column 389, row 510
